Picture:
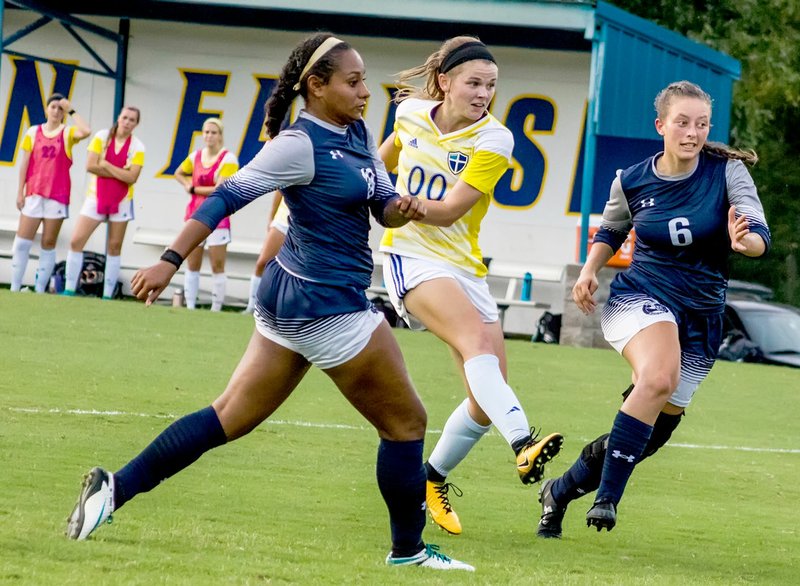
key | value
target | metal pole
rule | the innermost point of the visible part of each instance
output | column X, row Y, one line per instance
column 590, row 136
column 2, row 44
column 122, row 65
column 119, row 89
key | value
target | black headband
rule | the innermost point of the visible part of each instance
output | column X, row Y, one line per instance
column 466, row 52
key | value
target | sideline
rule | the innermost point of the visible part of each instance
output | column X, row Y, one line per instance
column 94, row 412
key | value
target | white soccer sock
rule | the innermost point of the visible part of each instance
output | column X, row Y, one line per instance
column 496, row 398
column 47, row 261
column 255, row 281
column 218, row 282
column 112, row 275
column 20, row 253
column 73, row 270
column 460, row 433
column 191, row 283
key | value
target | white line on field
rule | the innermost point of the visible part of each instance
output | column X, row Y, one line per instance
column 56, row 411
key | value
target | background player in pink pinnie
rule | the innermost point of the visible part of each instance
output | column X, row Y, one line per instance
column 44, row 188
column 114, row 163
column 200, row 173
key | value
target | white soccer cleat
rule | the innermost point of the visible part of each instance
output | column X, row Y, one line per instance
column 430, row 558
column 95, row 504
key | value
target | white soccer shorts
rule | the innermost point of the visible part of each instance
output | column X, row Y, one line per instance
column 402, row 273
column 325, row 342
column 124, row 214
column 37, row 206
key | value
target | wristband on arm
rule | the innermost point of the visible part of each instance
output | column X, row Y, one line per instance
column 172, row 258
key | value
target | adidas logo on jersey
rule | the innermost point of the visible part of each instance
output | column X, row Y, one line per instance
column 413, row 143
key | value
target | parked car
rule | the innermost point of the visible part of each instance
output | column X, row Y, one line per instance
column 749, row 290
column 758, row 331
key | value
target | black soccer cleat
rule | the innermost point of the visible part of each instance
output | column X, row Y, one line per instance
column 602, row 515
column 552, row 513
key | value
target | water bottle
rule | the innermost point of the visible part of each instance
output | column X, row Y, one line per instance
column 177, row 298
column 527, row 284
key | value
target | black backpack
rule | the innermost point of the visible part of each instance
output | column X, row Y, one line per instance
column 90, row 283
column 388, row 311
column 737, row 348
column 548, row 330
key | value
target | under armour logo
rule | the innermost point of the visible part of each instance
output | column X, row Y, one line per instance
column 618, row 454
column 648, row 203
column 337, row 154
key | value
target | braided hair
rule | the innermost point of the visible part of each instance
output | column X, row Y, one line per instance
column 278, row 104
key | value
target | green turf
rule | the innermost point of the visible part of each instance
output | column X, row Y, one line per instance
column 296, row 502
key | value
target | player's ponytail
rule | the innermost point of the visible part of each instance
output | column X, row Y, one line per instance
column 687, row 89
column 430, row 71
column 294, row 76
column 719, row 149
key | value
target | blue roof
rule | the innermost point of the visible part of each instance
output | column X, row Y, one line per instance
column 640, row 58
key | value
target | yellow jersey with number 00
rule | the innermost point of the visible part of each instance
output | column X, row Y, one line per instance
column 429, row 166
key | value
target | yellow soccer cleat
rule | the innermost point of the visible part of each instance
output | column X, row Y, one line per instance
column 534, row 455
column 439, row 506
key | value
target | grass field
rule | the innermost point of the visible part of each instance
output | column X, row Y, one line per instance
column 86, row 383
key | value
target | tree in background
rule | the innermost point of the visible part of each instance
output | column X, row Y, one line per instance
column 765, row 36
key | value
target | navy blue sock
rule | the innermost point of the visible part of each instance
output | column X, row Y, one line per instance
column 401, row 479
column 626, row 444
column 574, row 483
column 174, row 449
column 584, row 475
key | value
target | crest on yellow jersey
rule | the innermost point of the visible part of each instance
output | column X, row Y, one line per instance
column 457, row 161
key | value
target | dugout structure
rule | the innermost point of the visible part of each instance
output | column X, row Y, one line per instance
column 577, row 83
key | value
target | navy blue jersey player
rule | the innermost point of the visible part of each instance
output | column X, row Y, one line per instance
column 311, row 308
column 691, row 205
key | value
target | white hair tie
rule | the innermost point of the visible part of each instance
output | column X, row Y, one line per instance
column 326, row 46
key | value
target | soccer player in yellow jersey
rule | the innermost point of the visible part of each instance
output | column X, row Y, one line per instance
column 448, row 149
column 276, row 236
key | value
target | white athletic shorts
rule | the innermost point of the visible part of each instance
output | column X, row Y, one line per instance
column 629, row 315
column 402, row 273
column 37, row 206
column 282, row 227
column 624, row 316
column 124, row 214
column 219, row 237
column 281, row 219
column 325, row 342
